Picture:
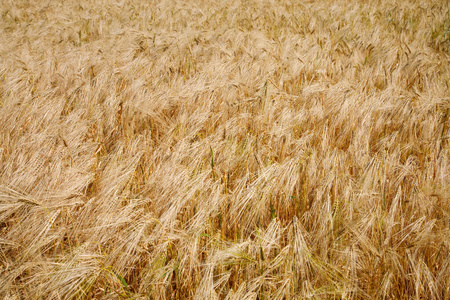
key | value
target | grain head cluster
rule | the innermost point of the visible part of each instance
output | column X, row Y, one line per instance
column 248, row 149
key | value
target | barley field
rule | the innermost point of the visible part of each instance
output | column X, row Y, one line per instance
column 224, row 149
